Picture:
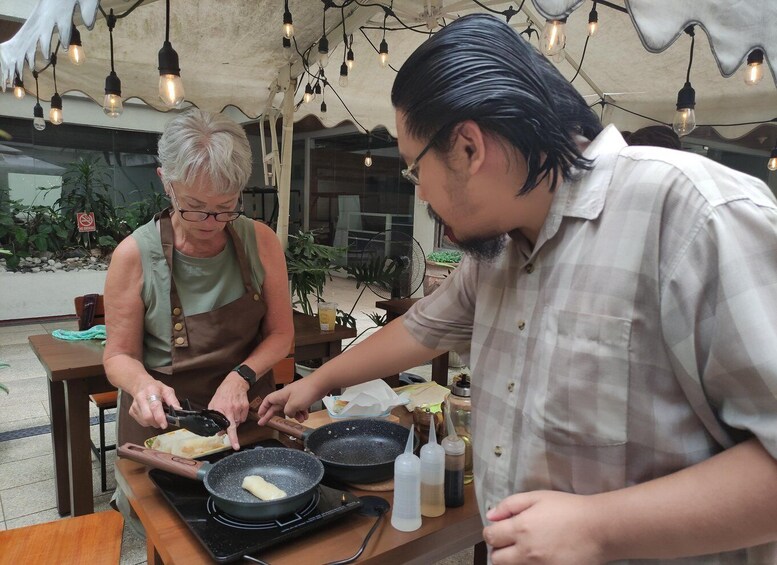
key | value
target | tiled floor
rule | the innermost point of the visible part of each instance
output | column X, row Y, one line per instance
column 26, row 472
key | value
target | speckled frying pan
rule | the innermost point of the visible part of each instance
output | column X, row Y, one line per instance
column 296, row 472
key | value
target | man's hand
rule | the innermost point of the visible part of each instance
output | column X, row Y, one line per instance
column 293, row 401
column 544, row 527
column 231, row 399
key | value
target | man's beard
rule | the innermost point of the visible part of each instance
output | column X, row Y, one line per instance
column 480, row 248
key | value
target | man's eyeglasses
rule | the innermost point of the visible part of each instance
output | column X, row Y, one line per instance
column 202, row 215
column 411, row 173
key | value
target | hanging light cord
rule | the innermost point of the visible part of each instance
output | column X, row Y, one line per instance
column 167, row 21
column 689, row 31
column 53, row 64
column 111, row 20
column 35, row 76
column 582, row 58
column 124, row 14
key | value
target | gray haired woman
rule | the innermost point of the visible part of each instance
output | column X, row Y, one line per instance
column 197, row 301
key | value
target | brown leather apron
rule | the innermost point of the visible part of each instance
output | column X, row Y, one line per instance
column 206, row 346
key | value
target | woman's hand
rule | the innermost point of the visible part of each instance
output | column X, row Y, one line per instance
column 231, row 399
column 147, row 402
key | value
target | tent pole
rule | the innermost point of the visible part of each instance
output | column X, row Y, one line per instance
column 284, row 181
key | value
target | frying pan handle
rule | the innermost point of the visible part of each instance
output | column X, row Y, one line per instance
column 290, row 427
column 166, row 461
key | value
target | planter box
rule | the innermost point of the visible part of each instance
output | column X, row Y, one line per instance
column 435, row 274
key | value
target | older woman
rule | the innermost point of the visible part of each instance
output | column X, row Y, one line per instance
column 197, row 300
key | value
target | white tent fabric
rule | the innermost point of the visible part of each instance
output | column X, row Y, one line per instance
column 231, row 54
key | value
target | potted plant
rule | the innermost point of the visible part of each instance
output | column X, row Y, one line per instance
column 438, row 266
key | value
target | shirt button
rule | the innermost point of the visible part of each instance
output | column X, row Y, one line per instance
column 176, row 311
column 498, row 451
column 530, row 268
column 511, row 387
column 179, row 340
column 256, row 297
column 521, row 324
column 178, row 327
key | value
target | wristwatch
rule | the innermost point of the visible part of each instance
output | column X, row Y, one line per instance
column 248, row 374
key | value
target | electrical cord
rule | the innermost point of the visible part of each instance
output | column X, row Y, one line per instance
column 356, row 555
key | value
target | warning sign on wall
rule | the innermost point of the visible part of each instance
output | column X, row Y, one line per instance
column 85, row 221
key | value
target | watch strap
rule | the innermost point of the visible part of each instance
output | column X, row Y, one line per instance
column 248, row 374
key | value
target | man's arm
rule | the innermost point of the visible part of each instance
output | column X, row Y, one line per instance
column 725, row 503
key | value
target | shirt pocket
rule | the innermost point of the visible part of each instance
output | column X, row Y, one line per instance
column 579, row 390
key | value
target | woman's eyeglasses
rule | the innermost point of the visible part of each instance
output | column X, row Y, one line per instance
column 202, row 215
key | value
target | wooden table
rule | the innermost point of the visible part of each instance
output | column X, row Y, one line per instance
column 395, row 308
column 75, row 370
column 170, row 541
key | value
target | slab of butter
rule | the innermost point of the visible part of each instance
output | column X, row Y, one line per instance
column 261, row 489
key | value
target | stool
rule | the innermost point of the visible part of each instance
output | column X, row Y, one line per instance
column 93, row 539
column 104, row 401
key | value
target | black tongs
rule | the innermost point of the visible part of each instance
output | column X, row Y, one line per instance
column 201, row 422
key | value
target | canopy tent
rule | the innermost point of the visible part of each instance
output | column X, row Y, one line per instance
column 231, row 53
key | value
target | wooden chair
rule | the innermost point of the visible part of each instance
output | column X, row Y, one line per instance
column 283, row 370
column 90, row 309
column 93, row 539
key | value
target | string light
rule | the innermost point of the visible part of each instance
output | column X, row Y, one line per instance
column 593, row 21
column 772, row 164
column 554, row 37
column 76, row 50
column 112, row 104
column 685, row 117
column 18, row 86
column 349, row 58
column 37, row 112
column 55, row 112
column 288, row 24
column 368, row 155
column 343, row 75
column 754, row 71
column 170, row 84
column 323, row 102
column 308, row 96
column 383, row 51
column 323, row 51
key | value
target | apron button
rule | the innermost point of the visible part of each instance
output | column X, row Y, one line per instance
column 256, row 297
column 178, row 326
column 176, row 311
column 179, row 340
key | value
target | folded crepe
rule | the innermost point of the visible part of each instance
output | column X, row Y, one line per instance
column 184, row 443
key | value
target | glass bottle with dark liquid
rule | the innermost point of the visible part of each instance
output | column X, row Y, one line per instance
column 460, row 404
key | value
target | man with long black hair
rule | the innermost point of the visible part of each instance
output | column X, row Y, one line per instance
column 619, row 307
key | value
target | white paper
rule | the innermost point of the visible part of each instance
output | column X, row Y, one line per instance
column 367, row 400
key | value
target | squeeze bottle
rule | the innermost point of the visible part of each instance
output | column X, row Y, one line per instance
column 432, row 475
column 454, row 465
column 406, row 515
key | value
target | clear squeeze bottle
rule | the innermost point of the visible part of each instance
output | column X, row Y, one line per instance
column 460, row 403
column 432, row 475
column 406, row 515
column 454, row 465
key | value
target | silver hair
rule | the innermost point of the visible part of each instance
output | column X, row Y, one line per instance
column 202, row 144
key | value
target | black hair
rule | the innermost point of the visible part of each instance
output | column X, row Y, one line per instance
column 658, row 136
column 478, row 68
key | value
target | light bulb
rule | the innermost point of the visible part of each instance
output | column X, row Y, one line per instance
column 75, row 50
column 171, row 90
column 323, row 107
column 343, row 75
column 18, row 87
column 349, row 59
column 684, row 121
column 323, row 51
column 288, row 26
column 554, row 37
column 55, row 116
column 76, row 54
column 170, row 84
column 308, row 96
column 754, row 71
column 685, row 118
column 55, row 113
column 772, row 164
column 38, row 122
column 368, row 159
column 112, row 105
column 593, row 22
column 383, row 54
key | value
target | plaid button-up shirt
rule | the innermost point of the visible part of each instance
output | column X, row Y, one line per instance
column 637, row 337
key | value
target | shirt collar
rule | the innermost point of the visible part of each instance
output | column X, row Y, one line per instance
column 584, row 197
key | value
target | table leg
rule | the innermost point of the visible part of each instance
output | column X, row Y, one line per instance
column 152, row 555
column 77, row 403
column 440, row 369
column 59, row 445
column 480, row 556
